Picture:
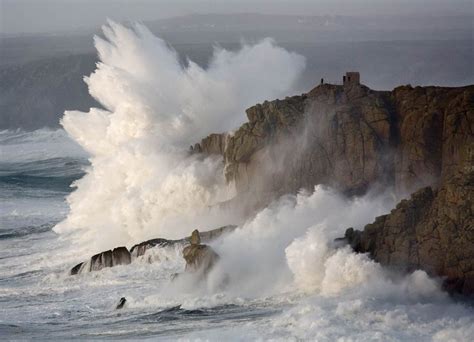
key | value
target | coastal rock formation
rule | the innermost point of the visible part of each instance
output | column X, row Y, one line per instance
column 433, row 231
column 349, row 137
column 353, row 138
column 199, row 258
column 434, row 128
column 110, row 258
column 122, row 256
column 140, row 248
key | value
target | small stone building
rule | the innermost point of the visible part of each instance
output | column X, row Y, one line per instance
column 351, row 78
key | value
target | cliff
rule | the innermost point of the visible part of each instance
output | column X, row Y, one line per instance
column 351, row 138
column 433, row 231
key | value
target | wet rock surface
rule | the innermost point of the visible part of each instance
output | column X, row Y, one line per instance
column 348, row 137
column 199, row 258
column 353, row 138
column 122, row 256
column 433, row 230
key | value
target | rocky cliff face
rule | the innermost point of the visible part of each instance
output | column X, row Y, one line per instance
column 433, row 231
column 349, row 137
column 352, row 138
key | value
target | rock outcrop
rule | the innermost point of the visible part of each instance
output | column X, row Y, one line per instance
column 110, row 258
column 122, row 256
column 351, row 138
column 199, row 258
column 140, row 248
column 433, row 231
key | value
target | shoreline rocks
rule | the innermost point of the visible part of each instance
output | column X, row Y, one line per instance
column 122, row 256
column 199, row 258
column 433, row 230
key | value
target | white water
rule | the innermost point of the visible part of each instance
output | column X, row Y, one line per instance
column 141, row 182
column 285, row 277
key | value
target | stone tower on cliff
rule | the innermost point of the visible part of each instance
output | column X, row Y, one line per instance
column 351, row 78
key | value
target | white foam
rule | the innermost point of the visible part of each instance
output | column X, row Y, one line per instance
column 142, row 183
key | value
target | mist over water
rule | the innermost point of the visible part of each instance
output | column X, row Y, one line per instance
column 280, row 274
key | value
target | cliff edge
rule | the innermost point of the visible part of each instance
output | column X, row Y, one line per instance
column 354, row 138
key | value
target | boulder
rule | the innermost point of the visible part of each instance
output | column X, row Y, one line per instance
column 76, row 269
column 121, row 256
column 195, row 238
column 199, row 258
column 110, row 258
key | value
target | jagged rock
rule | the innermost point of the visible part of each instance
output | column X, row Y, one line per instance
column 140, row 249
column 101, row 260
column 121, row 255
column 110, row 258
column 199, row 258
column 352, row 138
column 349, row 137
column 433, row 129
column 195, row 238
column 214, row 234
column 342, row 135
column 433, row 231
column 212, row 144
column 76, row 269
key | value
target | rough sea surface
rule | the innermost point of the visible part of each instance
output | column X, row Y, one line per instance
column 40, row 300
column 279, row 277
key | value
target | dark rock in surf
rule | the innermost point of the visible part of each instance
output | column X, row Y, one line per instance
column 76, row 269
column 199, row 258
column 101, row 260
column 195, row 238
column 121, row 255
column 110, row 258
column 140, row 248
column 121, row 303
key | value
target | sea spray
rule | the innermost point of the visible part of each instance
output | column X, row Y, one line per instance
column 254, row 257
column 142, row 183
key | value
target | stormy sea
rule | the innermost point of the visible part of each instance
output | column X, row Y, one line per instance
column 122, row 173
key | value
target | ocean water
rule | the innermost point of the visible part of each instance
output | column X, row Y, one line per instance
column 347, row 298
column 122, row 174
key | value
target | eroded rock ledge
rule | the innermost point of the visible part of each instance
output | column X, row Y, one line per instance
column 122, row 256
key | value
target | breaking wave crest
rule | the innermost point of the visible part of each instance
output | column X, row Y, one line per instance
column 142, row 182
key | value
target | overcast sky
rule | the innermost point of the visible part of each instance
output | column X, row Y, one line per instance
column 17, row 16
